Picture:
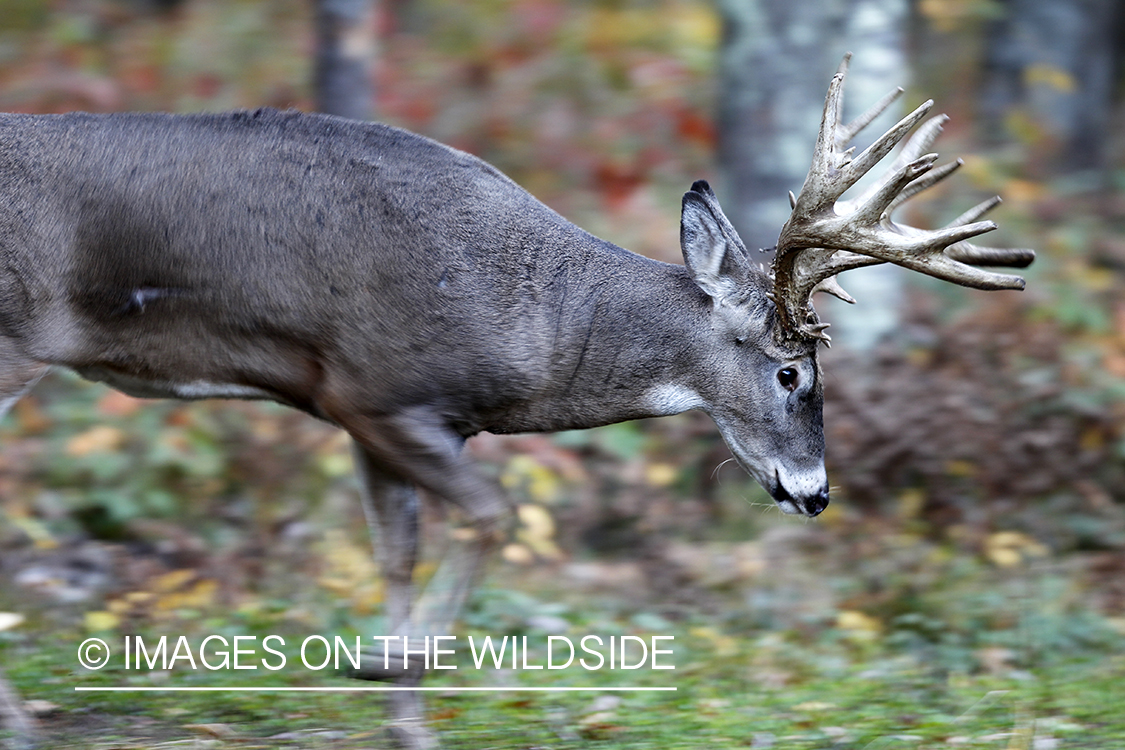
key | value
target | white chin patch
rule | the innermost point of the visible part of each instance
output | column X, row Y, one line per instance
column 788, row 508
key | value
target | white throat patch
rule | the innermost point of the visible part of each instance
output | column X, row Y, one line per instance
column 665, row 400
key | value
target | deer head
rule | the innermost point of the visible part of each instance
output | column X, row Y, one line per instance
column 774, row 427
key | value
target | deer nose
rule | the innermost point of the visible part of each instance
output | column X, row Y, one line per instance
column 815, row 504
column 809, row 505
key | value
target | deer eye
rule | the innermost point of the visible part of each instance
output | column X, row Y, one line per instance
column 788, row 378
column 739, row 341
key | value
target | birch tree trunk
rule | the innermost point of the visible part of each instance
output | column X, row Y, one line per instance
column 775, row 63
column 345, row 53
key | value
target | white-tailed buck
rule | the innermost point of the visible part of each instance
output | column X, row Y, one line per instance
column 414, row 296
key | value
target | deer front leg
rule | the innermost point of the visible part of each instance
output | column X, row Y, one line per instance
column 394, row 454
column 21, row 729
column 391, row 508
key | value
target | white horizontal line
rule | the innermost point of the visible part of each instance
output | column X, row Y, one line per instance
column 380, row 689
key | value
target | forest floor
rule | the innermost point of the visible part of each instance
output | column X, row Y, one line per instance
column 984, row 655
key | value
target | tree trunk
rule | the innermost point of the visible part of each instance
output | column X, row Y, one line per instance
column 775, row 63
column 345, row 52
column 1050, row 69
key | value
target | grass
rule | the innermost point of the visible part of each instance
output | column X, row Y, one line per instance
column 809, row 637
column 770, row 690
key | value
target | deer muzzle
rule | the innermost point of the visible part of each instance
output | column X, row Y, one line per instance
column 808, row 505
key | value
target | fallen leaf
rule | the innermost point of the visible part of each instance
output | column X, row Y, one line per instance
column 96, row 621
column 518, row 554
column 212, row 730
column 858, row 624
column 100, row 439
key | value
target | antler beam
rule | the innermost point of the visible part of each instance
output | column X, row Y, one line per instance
column 825, row 236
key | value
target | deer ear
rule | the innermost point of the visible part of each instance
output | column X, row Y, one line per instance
column 713, row 252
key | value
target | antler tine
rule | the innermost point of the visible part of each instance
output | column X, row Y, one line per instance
column 825, row 150
column 825, row 236
column 853, row 128
column 942, row 266
column 945, row 254
column 827, row 157
column 837, row 100
column 914, row 148
column 939, row 239
column 818, row 273
column 976, row 211
column 974, row 255
column 831, row 286
column 921, row 141
column 874, row 153
column 924, row 182
column 875, row 204
column 823, row 279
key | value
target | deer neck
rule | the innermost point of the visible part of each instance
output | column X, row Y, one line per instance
column 621, row 347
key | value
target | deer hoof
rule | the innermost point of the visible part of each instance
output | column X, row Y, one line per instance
column 411, row 734
column 376, row 666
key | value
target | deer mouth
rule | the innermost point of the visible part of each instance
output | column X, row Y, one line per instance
column 810, row 506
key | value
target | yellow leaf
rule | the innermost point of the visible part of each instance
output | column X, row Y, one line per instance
column 199, row 596
column 540, row 483
column 538, row 530
column 350, row 571
column 171, row 581
column 35, row 530
column 660, row 475
column 336, row 464
column 1050, row 76
column 814, row 706
column 96, row 621
column 724, row 645
column 101, row 439
column 696, row 24
column 910, row 503
column 518, row 554
column 858, row 624
column 959, row 468
column 537, row 521
column 617, row 28
column 1008, row 549
column 119, row 606
column 1004, row 557
column 946, row 15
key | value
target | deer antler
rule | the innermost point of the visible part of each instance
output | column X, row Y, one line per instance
column 825, row 236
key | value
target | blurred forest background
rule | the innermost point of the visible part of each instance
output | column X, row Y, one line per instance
column 976, row 442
